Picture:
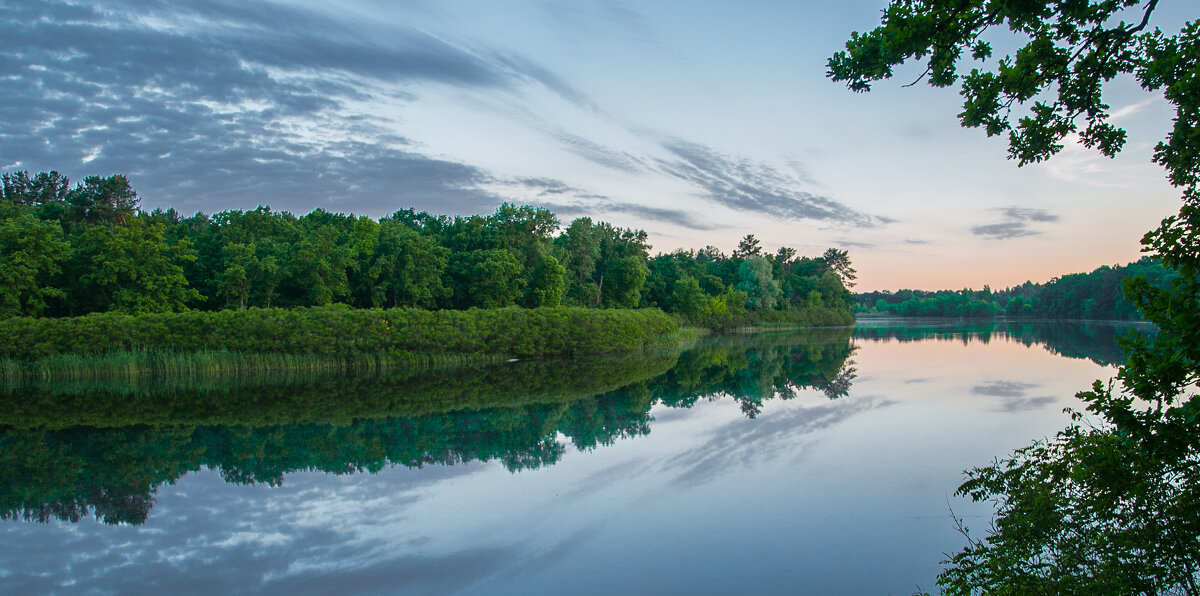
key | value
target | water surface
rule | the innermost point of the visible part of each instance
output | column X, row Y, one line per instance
column 819, row 461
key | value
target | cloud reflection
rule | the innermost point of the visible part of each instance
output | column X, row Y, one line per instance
column 736, row 444
column 1012, row 395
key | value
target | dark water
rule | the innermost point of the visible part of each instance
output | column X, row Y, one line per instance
column 816, row 462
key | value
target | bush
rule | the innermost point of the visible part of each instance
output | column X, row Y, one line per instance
column 513, row 332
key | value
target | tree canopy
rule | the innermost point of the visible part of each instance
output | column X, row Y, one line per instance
column 89, row 248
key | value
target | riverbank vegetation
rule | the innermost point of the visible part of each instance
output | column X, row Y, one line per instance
column 1097, row 295
column 318, row 337
column 68, row 251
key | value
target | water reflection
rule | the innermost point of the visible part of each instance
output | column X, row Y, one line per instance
column 1098, row 341
column 71, row 450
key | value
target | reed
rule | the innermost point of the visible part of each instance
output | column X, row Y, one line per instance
column 402, row 334
column 215, row 366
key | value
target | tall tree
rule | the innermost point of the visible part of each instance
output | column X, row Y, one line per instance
column 485, row 278
column 97, row 200
column 407, row 268
column 31, row 254
column 838, row 261
column 546, row 286
column 43, row 188
column 132, row 269
column 580, row 246
column 759, row 284
column 747, row 247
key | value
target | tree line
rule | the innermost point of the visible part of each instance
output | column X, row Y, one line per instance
column 73, row 250
column 1095, row 295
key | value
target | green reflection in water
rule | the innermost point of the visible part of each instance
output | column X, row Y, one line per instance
column 1098, row 341
column 70, row 451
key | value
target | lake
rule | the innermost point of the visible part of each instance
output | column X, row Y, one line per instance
column 817, row 461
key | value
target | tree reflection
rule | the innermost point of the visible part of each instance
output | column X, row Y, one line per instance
column 1097, row 341
column 102, row 450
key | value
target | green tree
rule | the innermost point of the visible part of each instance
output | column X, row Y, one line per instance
column 97, row 200
column 319, row 263
column 580, row 245
column 757, row 281
column 1113, row 508
column 623, row 285
column 31, row 254
column 407, row 268
column 132, row 269
column 839, row 262
column 546, row 288
column 687, row 297
column 41, row 189
column 485, row 278
column 234, row 281
column 747, row 247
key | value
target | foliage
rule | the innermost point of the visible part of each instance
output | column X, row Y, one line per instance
column 547, row 286
column 1111, row 508
column 758, row 283
column 132, row 269
column 839, row 262
column 1073, row 48
column 88, row 249
column 398, row 332
column 31, row 254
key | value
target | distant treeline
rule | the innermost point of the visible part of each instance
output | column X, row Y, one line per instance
column 1096, row 295
column 73, row 250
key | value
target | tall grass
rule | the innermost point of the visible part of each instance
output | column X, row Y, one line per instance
column 213, row 366
column 233, row 342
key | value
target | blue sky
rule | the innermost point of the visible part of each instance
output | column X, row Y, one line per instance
column 699, row 123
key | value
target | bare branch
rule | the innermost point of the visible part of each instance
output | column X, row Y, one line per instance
column 1145, row 17
column 918, row 79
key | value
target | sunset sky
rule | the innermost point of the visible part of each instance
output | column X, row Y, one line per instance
column 698, row 122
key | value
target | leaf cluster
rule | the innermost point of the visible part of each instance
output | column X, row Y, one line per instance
column 1071, row 48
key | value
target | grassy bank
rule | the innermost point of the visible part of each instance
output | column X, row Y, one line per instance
column 315, row 339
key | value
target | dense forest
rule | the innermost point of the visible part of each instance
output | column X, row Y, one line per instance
column 1096, row 295
column 73, row 250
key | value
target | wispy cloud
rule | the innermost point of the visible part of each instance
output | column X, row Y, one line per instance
column 1015, row 223
column 743, row 185
column 598, row 204
column 1131, row 109
column 600, row 154
column 216, row 104
column 1027, row 214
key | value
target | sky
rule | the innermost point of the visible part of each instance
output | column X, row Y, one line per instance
column 697, row 122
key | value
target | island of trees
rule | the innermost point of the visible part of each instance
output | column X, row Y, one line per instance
column 264, row 280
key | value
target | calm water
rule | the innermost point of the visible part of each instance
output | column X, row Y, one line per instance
column 818, row 462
